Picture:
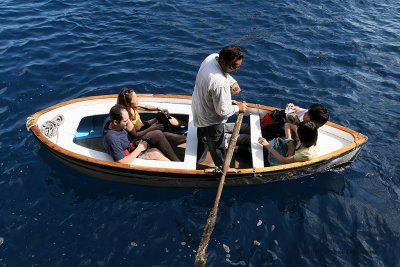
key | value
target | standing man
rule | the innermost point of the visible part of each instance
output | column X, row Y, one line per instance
column 211, row 100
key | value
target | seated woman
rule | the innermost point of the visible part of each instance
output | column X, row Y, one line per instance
column 151, row 130
column 306, row 149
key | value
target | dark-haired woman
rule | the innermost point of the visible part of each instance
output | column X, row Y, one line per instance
column 151, row 129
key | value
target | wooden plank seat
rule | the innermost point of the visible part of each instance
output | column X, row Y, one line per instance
column 257, row 152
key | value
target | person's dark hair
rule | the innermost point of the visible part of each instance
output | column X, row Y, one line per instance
column 231, row 53
column 116, row 112
column 318, row 114
column 308, row 133
column 125, row 98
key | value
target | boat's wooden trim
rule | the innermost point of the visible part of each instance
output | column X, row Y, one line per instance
column 68, row 153
column 43, row 139
column 203, row 181
column 76, row 100
column 359, row 140
column 325, row 157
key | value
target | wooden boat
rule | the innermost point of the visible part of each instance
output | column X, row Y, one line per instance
column 74, row 137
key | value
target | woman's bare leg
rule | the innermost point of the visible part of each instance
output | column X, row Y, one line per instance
column 176, row 122
column 158, row 138
column 175, row 138
column 288, row 130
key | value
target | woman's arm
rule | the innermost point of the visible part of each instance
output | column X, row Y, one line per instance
column 289, row 129
column 154, row 108
column 285, row 160
column 137, row 134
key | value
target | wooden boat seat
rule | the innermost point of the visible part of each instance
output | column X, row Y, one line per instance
column 257, row 152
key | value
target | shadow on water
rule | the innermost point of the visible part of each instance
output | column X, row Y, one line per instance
column 290, row 195
column 286, row 192
column 88, row 187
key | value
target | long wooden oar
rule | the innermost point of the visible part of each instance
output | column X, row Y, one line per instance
column 201, row 256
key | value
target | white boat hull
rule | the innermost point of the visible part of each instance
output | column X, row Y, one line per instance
column 337, row 146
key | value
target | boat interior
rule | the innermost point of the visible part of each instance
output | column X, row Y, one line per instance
column 81, row 133
column 89, row 135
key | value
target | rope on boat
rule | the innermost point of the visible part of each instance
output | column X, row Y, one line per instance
column 29, row 123
column 50, row 128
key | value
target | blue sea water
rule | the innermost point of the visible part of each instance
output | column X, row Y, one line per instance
column 345, row 54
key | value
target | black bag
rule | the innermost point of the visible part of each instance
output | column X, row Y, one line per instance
column 271, row 131
column 278, row 115
column 163, row 119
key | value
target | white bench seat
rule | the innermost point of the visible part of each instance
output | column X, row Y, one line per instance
column 257, row 152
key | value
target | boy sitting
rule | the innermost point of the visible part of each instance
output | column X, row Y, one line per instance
column 283, row 122
column 316, row 113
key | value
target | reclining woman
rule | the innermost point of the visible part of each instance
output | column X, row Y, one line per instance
column 306, row 148
column 152, row 129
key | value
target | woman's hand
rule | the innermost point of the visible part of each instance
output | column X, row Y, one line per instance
column 152, row 121
column 156, row 126
column 165, row 111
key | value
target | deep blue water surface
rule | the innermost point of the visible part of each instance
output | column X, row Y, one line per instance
column 345, row 54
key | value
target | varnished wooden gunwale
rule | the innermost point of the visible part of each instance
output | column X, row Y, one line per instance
column 359, row 140
column 179, row 180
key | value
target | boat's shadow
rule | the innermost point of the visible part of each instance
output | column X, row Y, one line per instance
column 294, row 191
column 290, row 194
column 88, row 187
